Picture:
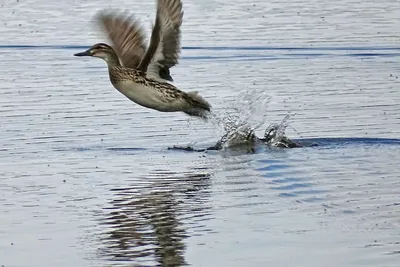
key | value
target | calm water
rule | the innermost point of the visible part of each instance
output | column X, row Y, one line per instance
column 86, row 177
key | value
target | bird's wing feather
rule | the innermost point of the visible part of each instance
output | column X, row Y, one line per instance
column 126, row 34
column 164, row 49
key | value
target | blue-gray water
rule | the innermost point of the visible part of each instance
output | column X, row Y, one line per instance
column 86, row 178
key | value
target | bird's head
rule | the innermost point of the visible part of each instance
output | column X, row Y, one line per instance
column 102, row 51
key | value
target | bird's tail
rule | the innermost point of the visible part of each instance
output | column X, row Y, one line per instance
column 198, row 106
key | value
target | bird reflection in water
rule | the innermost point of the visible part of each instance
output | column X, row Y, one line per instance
column 147, row 225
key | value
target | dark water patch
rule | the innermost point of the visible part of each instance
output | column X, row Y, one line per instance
column 248, row 205
column 244, row 57
column 286, row 179
column 44, row 46
column 270, row 161
column 273, row 167
column 100, row 148
column 255, row 58
column 307, row 54
column 290, row 56
column 273, row 175
column 311, row 48
column 394, row 204
column 298, row 195
column 292, row 186
column 330, row 52
column 348, row 211
column 126, row 149
column 218, row 48
column 349, row 141
column 374, row 54
column 312, row 199
column 306, row 143
column 286, row 194
column 49, row 137
column 395, row 252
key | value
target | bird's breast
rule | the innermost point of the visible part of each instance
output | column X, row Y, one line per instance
column 143, row 95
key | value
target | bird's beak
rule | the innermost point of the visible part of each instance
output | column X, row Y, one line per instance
column 84, row 54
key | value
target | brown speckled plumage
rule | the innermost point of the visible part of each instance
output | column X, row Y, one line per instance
column 193, row 107
column 142, row 75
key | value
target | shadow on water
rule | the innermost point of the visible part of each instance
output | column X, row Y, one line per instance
column 327, row 143
column 146, row 225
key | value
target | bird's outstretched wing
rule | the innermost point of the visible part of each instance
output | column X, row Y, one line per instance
column 164, row 49
column 126, row 35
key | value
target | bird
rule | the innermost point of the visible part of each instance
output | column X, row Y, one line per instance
column 141, row 74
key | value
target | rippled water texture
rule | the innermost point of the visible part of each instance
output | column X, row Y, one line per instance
column 86, row 177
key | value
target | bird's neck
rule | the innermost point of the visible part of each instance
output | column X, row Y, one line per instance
column 114, row 72
column 112, row 60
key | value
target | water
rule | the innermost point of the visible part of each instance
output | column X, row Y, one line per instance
column 87, row 178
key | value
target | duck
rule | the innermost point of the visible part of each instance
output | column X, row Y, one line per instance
column 141, row 73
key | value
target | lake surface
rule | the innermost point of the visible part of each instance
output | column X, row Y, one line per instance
column 86, row 177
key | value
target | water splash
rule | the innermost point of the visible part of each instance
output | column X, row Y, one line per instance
column 275, row 133
column 249, row 109
column 237, row 122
